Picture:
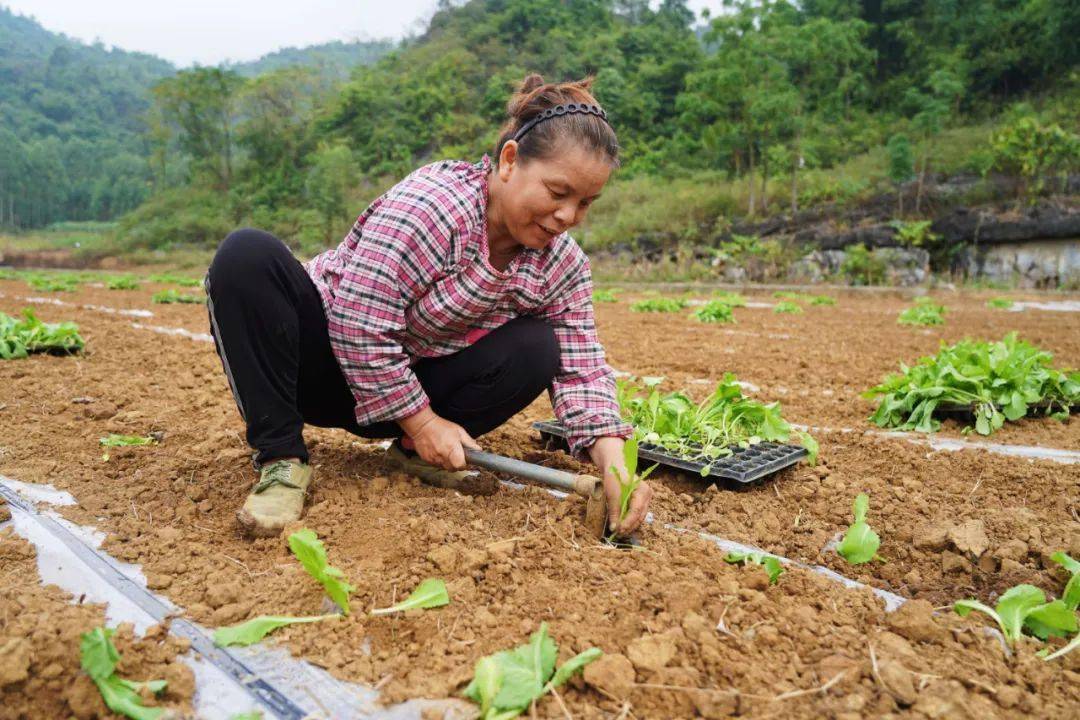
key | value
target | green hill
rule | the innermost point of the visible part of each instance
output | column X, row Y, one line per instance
column 334, row 60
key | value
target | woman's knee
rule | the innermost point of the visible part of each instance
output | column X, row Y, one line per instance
column 244, row 254
column 539, row 346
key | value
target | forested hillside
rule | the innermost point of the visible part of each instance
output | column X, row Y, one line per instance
column 71, row 140
column 769, row 104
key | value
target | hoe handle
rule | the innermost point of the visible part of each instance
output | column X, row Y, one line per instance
column 580, row 484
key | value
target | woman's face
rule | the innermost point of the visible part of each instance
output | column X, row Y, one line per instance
column 541, row 199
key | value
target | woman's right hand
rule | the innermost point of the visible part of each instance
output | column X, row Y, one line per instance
column 439, row 441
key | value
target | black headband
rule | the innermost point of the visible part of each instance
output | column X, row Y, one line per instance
column 559, row 110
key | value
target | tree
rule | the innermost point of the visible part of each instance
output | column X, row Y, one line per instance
column 1034, row 152
column 901, row 166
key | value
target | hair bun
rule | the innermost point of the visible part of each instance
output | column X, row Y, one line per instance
column 531, row 82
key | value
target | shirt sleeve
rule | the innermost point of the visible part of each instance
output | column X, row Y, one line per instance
column 583, row 391
column 397, row 254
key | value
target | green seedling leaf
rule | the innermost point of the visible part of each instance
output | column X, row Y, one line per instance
column 254, row 630
column 506, row 683
column 822, row 300
column 1053, row 619
column 787, row 307
column 811, row 445
column 126, row 440
column 1071, row 595
column 604, row 296
column 170, row 296
column 999, row 303
column 715, row 311
column 431, row 593
column 924, row 312
column 658, row 305
column 99, row 655
column 122, row 282
column 1073, row 644
column 1009, row 613
column 860, row 543
column 772, row 565
column 311, row 553
column 631, row 481
column 20, row 338
column 99, row 660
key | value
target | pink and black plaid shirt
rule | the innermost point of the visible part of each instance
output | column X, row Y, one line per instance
column 412, row 279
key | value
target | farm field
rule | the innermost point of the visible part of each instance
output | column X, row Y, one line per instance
column 684, row 633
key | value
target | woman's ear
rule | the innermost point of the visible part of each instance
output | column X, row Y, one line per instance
column 507, row 159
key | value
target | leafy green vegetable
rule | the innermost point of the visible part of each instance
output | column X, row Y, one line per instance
column 311, row 553
column 629, row 483
column 999, row 380
column 255, row 629
column 1071, row 596
column 20, row 338
column 787, row 307
column 126, row 440
column 604, row 296
column 1024, row 607
column 431, row 593
column 506, row 683
column 660, row 304
column 122, row 282
column 860, row 543
column 771, row 564
column 924, row 312
column 999, row 303
column 822, row 300
column 99, row 660
column 709, row 430
column 166, row 297
column 170, row 279
column 715, row 311
column 729, row 298
column 53, row 282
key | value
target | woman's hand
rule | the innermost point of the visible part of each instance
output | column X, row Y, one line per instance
column 438, row 441
column 607, row 452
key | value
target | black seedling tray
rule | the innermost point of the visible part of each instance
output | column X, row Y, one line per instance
column 960, row 411
column 744, row 465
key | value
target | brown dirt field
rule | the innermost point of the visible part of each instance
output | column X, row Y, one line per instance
column 515, row 559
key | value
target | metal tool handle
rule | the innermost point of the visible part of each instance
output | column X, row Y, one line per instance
column 580, row 484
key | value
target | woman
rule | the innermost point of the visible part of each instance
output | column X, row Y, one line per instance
column 454, row 301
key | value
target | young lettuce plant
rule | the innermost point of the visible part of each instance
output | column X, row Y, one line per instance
column 822, row 300
column 506, row 683
column 99, row 661
column 660, row 305
column 631, row 481
column 605, row 296
column 924, row 312
column 310, row 551
column 21, row 337
column 170, row 296
column 770, row 563
column 431, row 593
column 714, row 311
column 860, row 543
column 787, row 307
column 122, row 282
column 999, row 303
column 1025, row 607
column 1071, row 596
column 255, row 629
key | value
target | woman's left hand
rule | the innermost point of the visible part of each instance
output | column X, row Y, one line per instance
column 607, row 452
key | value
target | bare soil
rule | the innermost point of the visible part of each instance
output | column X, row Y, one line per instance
column 685, row 633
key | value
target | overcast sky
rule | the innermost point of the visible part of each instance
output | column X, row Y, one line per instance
column 212, row 31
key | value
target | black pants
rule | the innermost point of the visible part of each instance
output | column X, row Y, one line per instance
column 270, row 330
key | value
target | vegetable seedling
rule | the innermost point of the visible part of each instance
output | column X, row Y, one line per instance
column 999, row 380
column 999, row 303
column 715, row 311
column 170, row 296
column 631, row 481
column 1071, row 595
column 1024, row 607
column 604, row 296
column 431, row 593
column 658, row 305
column 20, row 338
column 771, row 564
column 170, row 279
column 822, row 300
column 122, row 282
column 787, row 307
column 255, row 629
column 310, row 551
column 126, row 440
column 99, row 660
column 860, row 543
column 925, row 312
column 508, row 682
column 729, row 298
column 53, row 283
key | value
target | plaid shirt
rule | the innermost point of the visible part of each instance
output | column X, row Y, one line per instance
column 412, row 280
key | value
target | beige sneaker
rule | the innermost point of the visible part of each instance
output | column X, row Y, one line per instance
column 467, row 481
column 276, row 500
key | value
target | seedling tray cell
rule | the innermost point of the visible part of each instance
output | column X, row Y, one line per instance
column 743, row 466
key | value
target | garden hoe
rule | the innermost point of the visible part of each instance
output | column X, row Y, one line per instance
column 585, row 485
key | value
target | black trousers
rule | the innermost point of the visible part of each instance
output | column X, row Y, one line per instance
column 270, row 330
